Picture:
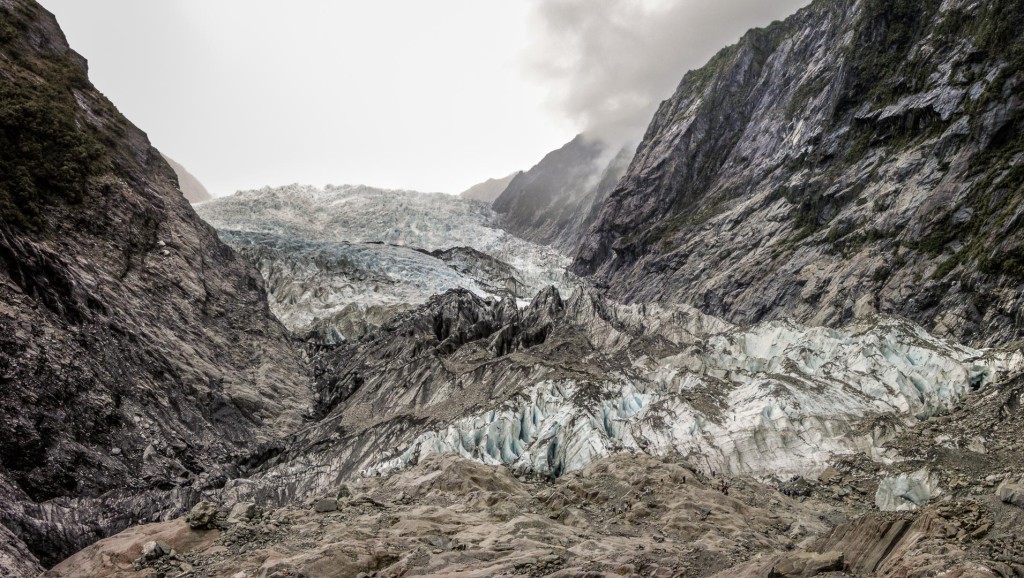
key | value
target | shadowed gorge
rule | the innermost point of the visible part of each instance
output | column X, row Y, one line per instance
column 779, row 338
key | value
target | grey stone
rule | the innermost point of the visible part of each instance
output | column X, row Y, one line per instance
column 326, row 505
column 242, row 512
column 806, row 564
column 153, row 550
column 202, row 516
column 1012, row 494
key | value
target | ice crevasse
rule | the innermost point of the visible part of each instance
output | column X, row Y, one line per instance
column 777, row 398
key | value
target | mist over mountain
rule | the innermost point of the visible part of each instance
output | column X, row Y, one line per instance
column 610, row 63
column 556, row 201
column 488, row 190
column 193, row 190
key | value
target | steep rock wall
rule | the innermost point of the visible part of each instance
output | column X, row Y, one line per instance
column 860, row 157
column 138, row 357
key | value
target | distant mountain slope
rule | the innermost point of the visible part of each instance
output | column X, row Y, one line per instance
column 190, row 186
column 138, row 359
column 554, row 202
column 488, row 190
column 860, row 157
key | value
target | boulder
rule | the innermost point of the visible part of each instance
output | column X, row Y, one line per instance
column 326, row 505
column 805, row 564
column 155, row 549
column 242, row 512
column 203, row 516
column 1012, row 494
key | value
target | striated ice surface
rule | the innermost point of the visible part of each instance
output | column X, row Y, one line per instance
column 907, row 491
column 340, row 261
column 775, row 399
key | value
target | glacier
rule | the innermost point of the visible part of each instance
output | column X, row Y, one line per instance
column 339, row 261
column 778, row 399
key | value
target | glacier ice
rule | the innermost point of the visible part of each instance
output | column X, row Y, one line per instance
column 775, row 399
column 340, row 261
column 907, row 491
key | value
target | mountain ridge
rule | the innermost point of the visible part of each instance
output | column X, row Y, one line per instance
column 554, row 202
column 190, row 186
column 134, row 345
column 488, row 190
column 807, row 171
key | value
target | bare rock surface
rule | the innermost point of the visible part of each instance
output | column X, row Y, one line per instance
column 556, row 201
column 626, row 515
column 859, row 157
column 138, row 359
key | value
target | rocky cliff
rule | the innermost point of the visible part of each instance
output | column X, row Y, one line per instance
column 862, row 156
column 138, row 358
column 556, row 201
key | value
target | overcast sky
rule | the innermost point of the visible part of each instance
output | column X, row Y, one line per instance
column 427, row 95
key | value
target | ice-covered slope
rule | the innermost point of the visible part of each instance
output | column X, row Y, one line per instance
column 548, row 389
column 778, row 398
column 342, row 260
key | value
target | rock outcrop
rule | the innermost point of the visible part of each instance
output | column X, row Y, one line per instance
column 138, row 358
column 556, row 201
column 860, row 157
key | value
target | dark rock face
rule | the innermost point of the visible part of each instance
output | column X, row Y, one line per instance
column 859, row 157
column 137, row 352
column 427, row 342
column 556, row 201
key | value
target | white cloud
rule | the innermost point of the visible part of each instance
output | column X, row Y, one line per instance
column 393, row 93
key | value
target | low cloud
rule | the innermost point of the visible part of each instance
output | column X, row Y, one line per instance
column 611, row 62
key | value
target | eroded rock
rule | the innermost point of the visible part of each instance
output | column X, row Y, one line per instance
column 203, row 516
column 806, row 564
